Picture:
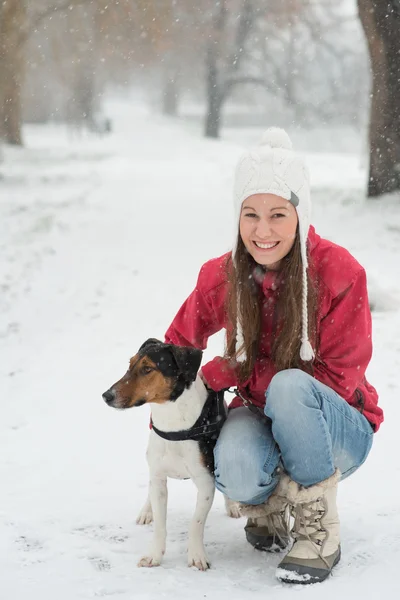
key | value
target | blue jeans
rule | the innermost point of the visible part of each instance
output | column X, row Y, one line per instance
column 310, row 430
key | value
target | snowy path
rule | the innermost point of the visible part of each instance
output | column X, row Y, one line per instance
column 101, row 240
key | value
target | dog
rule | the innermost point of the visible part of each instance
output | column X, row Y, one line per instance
column 186, row 420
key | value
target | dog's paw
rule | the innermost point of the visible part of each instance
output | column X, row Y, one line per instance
column 149, row 561
column 232, row 509
column 145, row 517
column 199, row 560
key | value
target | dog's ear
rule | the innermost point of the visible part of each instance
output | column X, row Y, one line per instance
column 149, row 342
column 188, row 361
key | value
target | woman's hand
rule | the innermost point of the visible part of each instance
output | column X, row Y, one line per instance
column 200, row 373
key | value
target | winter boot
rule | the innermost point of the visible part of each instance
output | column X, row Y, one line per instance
column 267, row 527
column 316, row 547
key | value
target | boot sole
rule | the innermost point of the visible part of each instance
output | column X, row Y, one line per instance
column 303, row 575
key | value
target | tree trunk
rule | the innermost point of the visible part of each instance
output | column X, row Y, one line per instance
column 222, row 74
column 171, row 94
column 12, row 63
column 82, row 49
column 215, row 87
column 381, row 23
column 214, row 96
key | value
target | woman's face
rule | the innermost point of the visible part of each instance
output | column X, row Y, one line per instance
column 268, row 225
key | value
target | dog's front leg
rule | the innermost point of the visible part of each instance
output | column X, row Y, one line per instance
column 146, row 514
column 205, row 495
column 158, row 495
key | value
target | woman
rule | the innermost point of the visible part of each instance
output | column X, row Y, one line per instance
column 298, row 323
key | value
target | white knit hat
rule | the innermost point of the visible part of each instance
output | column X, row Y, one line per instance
column 273, row 168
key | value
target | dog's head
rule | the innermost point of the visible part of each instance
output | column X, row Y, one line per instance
column 157, row 373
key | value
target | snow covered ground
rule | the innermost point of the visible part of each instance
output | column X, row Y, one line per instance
column 101, row 240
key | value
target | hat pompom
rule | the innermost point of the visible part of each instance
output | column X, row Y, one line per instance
column 306, row 351
column 275, row 137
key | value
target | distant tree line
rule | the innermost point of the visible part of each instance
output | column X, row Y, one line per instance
column 57, row 57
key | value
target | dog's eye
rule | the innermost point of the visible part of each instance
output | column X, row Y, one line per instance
column 146, row 370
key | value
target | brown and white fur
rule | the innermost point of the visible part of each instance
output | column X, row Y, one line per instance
column 166, row 377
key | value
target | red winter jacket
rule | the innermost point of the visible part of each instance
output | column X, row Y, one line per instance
column 344, row 328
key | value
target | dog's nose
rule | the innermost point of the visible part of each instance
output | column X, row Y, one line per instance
column 108, row 396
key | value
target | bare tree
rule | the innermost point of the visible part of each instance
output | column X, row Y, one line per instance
column 18, row 19
column 81, row 48
column 268, row 47
column 215, row 84
column 285, row 54
column 12, row 23
column 172, row 37
column 381, row 23
column 224, row 57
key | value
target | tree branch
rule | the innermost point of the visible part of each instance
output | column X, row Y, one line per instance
column 34, row 23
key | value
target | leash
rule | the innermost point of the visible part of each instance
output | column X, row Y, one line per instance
column 208, row 425
column 250, row 405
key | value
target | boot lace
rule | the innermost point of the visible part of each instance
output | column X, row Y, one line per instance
column 278, row 523
column 308, row 526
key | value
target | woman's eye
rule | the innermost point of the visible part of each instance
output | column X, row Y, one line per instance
column 251, row 215
column 278, row 215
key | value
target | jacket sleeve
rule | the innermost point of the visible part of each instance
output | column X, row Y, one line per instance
column 200, row 316
column 345, row 347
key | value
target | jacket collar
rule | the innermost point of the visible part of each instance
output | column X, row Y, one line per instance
column 313, row 238
column 270, row 281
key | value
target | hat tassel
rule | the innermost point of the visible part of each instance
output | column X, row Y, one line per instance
column 306, row 350
column 240, row 347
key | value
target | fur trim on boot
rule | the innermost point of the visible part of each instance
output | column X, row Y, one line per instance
column 295, row 493
column 272, row 505
column 267, row 527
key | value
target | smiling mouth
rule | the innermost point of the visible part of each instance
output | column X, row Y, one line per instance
column 269, row 246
